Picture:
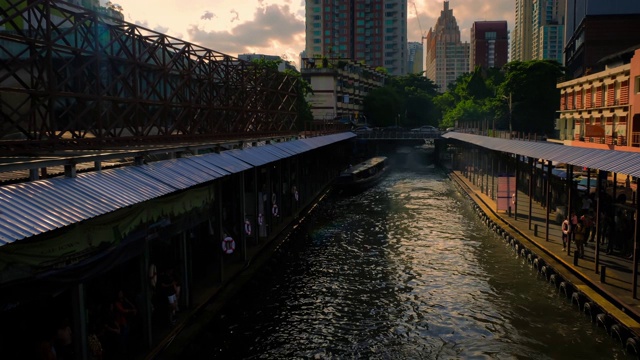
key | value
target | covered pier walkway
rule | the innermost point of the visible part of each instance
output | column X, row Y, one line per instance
column 603, row 283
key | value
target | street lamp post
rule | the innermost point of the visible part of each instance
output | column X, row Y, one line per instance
column 510, row 116
column 510, row 113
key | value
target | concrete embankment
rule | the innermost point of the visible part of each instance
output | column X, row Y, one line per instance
column 604, row 295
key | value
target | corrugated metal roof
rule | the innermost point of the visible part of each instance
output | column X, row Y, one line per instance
column 33, row 208
column 225, row 162
column 255, row 156
column 623, row 162
column 295, row 146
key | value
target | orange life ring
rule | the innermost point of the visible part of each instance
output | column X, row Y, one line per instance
column 247, row 227
column 228, row 245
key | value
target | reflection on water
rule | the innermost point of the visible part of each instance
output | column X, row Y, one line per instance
column 401, row 271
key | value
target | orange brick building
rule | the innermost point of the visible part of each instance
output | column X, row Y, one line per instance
column 601, row 110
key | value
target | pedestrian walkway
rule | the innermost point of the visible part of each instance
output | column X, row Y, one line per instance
column 614, row 295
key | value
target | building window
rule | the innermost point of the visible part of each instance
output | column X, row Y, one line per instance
column 637, row 85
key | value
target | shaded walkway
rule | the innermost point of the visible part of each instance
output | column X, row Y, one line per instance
column 613, row 296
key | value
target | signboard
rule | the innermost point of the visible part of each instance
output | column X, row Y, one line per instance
column 593, row 131
column 506, row 189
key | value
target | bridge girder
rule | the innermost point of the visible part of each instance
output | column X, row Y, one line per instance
column 72, row 76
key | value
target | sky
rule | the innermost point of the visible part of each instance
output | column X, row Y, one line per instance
column 277, row 27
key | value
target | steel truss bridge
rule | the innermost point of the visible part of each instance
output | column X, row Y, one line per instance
column 73, row 78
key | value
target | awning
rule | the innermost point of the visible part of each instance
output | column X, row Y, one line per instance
column 32, row 208
column 623, row 162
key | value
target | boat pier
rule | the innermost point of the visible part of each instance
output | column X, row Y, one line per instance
column 147, row 245
column 601, row 284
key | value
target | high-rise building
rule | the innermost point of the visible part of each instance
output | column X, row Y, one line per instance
column 373, row 31
column 414, row 65
column 446, row 56
column 489, row 44
column 548, row 30
column 596, row 29
column 521, row 43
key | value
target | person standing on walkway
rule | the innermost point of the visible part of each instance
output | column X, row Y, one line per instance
column 586, row 221
column 574, row 222
column 578, row 237
column 566, row 232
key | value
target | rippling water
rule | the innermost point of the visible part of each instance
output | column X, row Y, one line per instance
column 401, row 271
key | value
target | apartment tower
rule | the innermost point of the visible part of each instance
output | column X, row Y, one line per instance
column 548, row 30
column 521, row 42
column 372, row 31
column 489, row 44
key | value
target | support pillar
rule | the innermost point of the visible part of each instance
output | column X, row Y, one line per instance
column 548, row 198
column 79, row 321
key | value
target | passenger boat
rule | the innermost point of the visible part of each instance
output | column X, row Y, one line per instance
column 362, row 176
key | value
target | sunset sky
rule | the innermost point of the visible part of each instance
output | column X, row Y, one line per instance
column 276, row 27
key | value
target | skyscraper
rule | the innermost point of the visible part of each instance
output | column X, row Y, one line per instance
column 522, row 31
column 548, row 30
column 446, row 56
column 489, row 44
column 414, row 63
column 373, row 31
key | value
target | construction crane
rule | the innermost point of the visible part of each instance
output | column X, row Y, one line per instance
column 422, row 33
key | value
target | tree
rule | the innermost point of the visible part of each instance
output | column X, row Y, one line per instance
column 302, row 87
column 405, row 100
column 522, row 94
column 531, row 86
column 382, row 106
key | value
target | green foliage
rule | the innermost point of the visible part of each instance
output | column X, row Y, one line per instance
column 267, row 64
column 522, row 92
column 382, row 106
column 405, row 101
column 301, row 86
column 534, row 96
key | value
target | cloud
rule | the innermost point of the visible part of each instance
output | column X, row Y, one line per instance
column 236, row 17
column 208, row 15
column 274, row 30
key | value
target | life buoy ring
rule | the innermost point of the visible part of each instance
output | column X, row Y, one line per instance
column 247, row 227
column 274, row 210
column 296, row 196
column 260, row 219
column 228, row 245
column 153, row 275
column 566, row 227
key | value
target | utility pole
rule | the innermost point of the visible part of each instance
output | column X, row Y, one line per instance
column 510, row 116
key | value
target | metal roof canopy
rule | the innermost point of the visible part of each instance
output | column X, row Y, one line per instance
column 32, row 208
column 623, row 162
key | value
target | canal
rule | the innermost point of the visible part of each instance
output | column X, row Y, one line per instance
column 402, row 271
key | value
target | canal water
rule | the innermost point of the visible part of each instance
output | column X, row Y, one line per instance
column 403, row 270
